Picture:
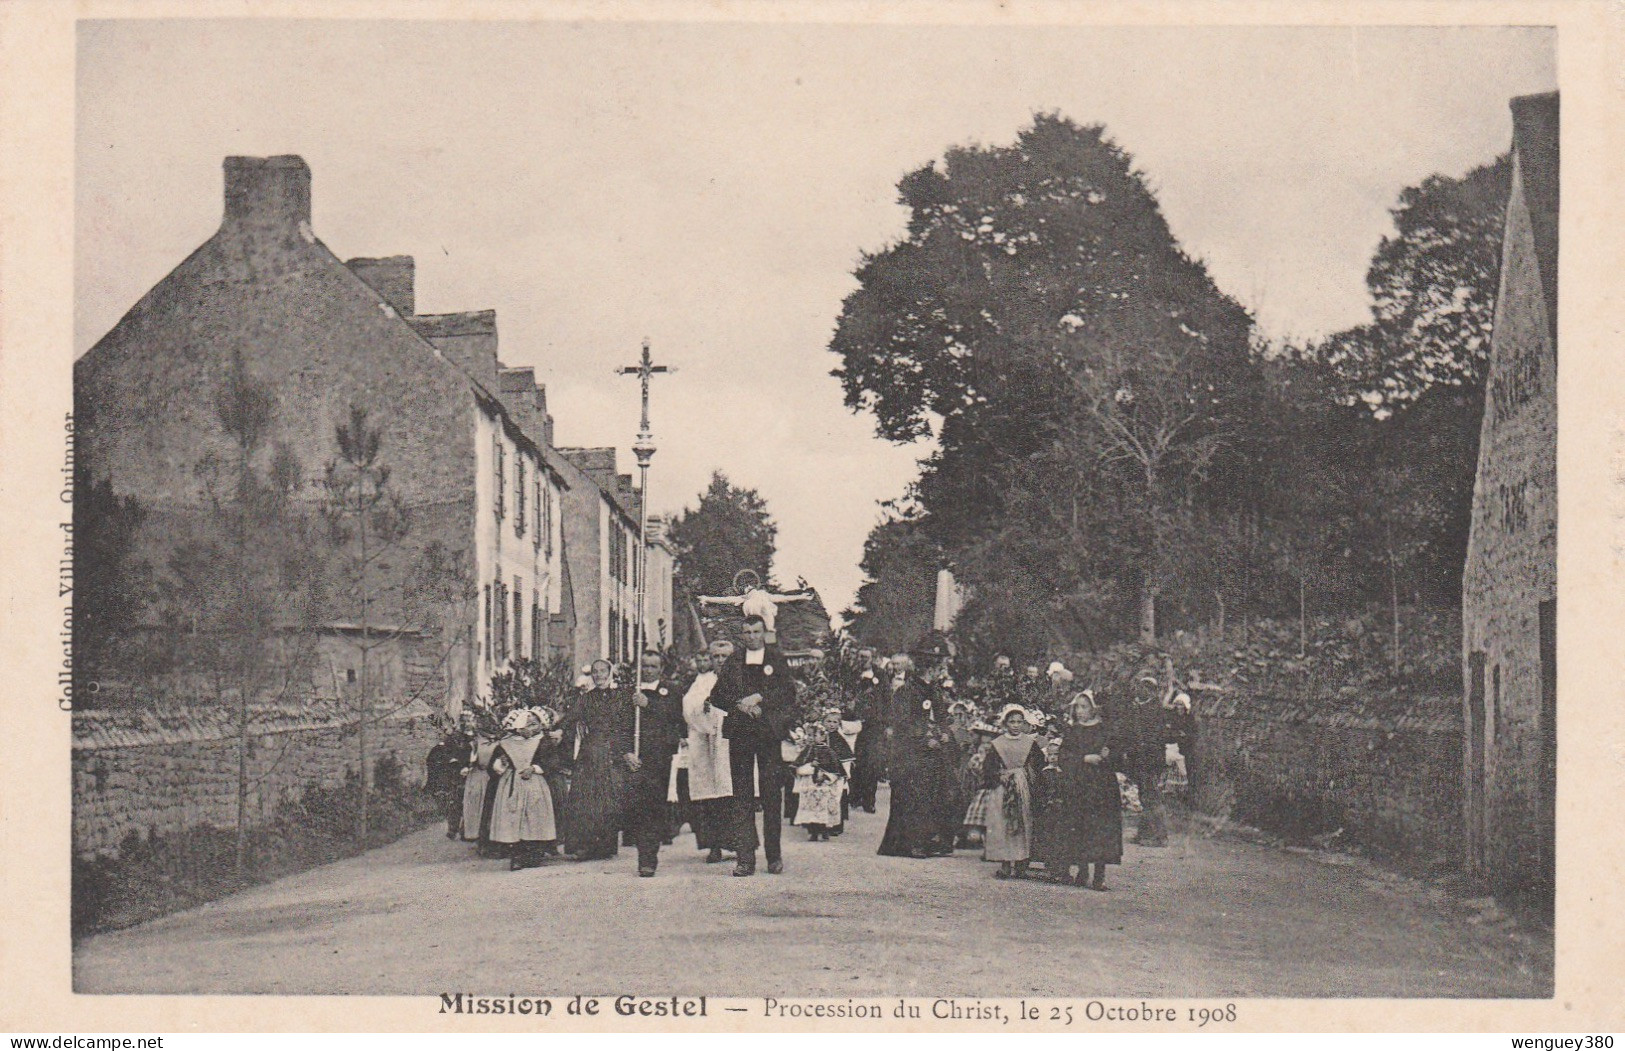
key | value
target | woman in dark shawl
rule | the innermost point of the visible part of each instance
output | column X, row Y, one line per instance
column 913, row 741
column 1089, row 821
column 597, row 743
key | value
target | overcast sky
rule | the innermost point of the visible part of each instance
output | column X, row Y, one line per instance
column 711, row 186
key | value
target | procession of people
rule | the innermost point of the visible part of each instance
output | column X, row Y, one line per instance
column 1026, row 770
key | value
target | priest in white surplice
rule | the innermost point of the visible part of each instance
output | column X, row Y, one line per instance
column 710, row 780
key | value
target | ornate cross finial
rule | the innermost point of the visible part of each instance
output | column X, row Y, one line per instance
column 643, row 370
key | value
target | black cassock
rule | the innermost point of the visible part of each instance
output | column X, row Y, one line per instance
column 869, row 700
column 847, row 757
column 657, row 727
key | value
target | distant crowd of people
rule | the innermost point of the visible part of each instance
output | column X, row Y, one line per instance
column 1024, row 767
column 734, row 743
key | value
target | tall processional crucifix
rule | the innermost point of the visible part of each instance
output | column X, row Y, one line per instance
column 644, row 450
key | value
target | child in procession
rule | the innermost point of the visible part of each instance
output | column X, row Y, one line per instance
column 1011, row 771
column 820, row 784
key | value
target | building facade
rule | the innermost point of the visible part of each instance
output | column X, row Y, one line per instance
column 464, row 439
column 603, row 512
column 1509, row 598
column 659, row 609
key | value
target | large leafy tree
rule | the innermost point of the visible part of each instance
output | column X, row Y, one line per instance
column 1418, row 366
column 727, row 531
column 1078, row 370
column 1433, row 284
column 895, row 604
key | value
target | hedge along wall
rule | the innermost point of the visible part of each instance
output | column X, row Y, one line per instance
column 145, row 772
column 1387, row 773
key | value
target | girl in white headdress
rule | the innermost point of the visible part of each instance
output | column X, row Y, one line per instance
column 523, row 812
column 1011, row 770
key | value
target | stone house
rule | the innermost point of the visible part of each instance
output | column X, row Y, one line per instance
column 659, row 609
column 1509, row 590
column 464, row 438
column 603, row 510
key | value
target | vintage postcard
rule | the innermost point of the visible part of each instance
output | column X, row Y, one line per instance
column 938, row 517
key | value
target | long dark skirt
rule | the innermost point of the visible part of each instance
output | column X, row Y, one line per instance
column 487, row 848
column 915, row 822
column 591, row 814
column 1084, row 825
column 869, row 767
column 951, row 797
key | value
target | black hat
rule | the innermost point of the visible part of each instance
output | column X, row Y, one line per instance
column 930, row 646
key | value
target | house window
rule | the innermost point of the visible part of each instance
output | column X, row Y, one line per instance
column 547, row 519
column 487, row 647
column 1495, row 693
column 499, row 597
column 536, row 625
column 500, row 459
column 519, row 620
column 521, row 493
column 542, row 524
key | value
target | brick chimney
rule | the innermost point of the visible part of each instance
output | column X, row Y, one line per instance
column 269, row 195
column 519, row 395
column 1536, row 123
column 467, row 339
column 391, row 277
column 541, row 409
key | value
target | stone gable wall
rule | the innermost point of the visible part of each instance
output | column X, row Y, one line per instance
column 1511, row 567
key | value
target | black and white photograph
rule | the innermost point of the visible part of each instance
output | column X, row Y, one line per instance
column 841, row 517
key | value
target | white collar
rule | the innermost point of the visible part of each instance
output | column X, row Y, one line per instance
column 648, row 687
column 755, row 656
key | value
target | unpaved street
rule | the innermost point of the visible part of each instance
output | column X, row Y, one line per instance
column 1205, row 917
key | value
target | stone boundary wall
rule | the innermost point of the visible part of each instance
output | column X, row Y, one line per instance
column 1387, row 774
column 147, row 773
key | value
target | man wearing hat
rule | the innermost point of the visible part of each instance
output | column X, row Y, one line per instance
column 868, row 700
column 446, row 764
column 1142, row 737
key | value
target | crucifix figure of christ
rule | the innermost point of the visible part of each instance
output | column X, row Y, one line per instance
column 755, row 601
column 643, row 370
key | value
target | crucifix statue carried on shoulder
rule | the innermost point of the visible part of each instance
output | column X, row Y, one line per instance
column 755, row 601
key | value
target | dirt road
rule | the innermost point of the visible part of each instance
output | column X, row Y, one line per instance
column 1205, row 917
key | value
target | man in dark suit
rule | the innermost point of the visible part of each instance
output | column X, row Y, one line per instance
column 868, row 698
column 756, row 691
column 658, row 726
